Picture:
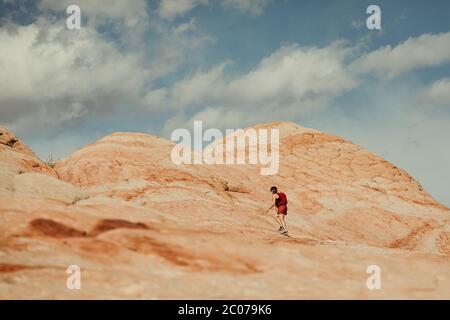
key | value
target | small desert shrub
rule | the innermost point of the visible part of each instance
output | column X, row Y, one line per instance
column 11, row 142
column 79, row 198
column 51, row 162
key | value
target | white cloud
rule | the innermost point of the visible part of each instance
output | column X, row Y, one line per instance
column 197, row 88
column 436, row 95
column 292, row 79
column 427, row 50
column 56, row 75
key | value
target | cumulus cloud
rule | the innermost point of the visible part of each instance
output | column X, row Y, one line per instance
column 297, row 80
column 427, row 50
column 55, row 75
column 293, row 79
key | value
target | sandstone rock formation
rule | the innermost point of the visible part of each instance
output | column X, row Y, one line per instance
column 140, row 226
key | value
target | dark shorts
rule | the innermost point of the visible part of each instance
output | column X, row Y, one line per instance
column 282, row 209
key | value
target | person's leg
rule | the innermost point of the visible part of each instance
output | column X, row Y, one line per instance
column 279, row 217
column 278, row 220
column 283, row 221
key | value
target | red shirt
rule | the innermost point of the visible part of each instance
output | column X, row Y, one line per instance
column 282, row 199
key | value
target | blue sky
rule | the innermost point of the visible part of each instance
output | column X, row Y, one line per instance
column 153, row 66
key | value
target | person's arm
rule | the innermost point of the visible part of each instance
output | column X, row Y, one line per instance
column 275, row 197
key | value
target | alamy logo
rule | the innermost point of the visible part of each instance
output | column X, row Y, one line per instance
column 233, row 149
column 73, row 21
column 374, row 20
column 73, row 281
column 374, row 280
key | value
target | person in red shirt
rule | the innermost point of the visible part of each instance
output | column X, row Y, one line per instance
column 279, row 201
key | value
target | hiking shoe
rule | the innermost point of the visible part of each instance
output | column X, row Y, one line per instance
column 280, row 229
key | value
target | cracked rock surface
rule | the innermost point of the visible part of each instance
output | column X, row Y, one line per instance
column 141, row 227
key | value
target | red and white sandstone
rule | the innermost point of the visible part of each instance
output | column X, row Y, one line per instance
column 140, row 226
